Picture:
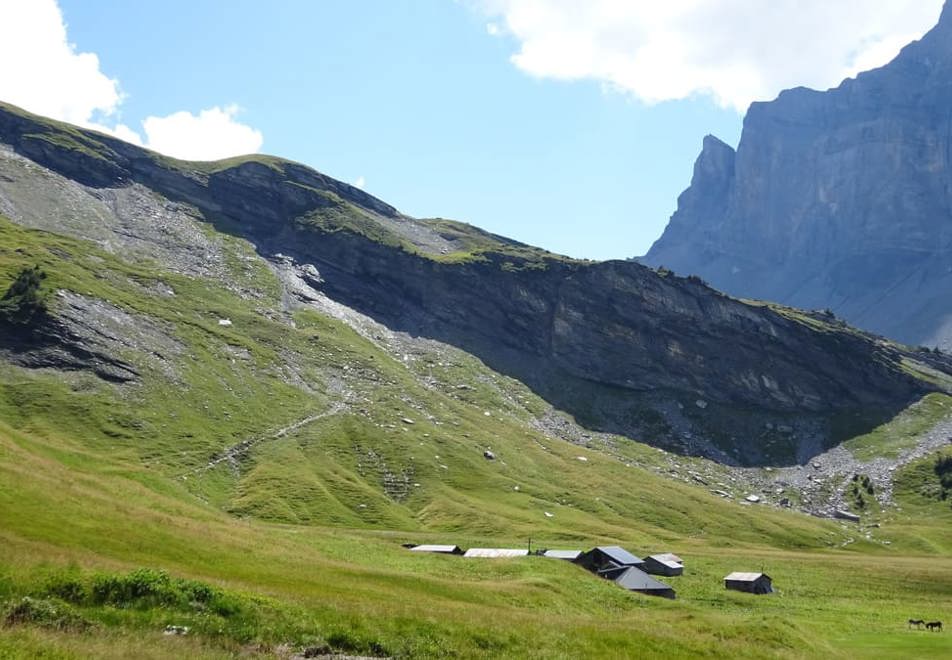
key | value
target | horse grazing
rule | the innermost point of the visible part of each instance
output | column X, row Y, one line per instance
column 918, row 623
column 934, row 625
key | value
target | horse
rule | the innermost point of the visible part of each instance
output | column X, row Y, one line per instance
column 934, row 625
column 918, row 623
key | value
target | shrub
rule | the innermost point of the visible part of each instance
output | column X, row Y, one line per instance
column 24, row 300
column 943, row 470
column 66, row 587
column 45, row 613
column 861, row 485
column 145, row 591
column 145, row 586
column 149, row 587
column 943, row 465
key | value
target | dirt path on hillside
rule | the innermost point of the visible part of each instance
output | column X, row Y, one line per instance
column 232, row 454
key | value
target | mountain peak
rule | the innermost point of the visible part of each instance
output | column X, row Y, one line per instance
column 715, row 165
column 938, row 40
column 713, row 144
column 828, row 197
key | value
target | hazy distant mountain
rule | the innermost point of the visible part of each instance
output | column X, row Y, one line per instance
column 839, row 199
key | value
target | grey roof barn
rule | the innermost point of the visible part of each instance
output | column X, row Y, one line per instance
column 752, row 583
column 669, row 556
column 607, row 558
column 661, row 565
column 634, row 579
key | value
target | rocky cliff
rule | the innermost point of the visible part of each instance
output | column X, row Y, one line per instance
column 625, row 348
column 839, row 199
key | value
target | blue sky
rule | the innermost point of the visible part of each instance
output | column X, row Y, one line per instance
column 522, row 123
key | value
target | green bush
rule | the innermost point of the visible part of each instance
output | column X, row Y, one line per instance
column 24, row 300
column 143, row 588
column 943, row 470
column 860, row 487
column 66, row 587
column 148, row 587
column 44, row 613
column 147, row 595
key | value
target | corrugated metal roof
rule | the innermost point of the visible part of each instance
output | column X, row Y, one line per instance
column 435, row 548
column 619, row 555
column 637, row 580
column 744, row 577
column 611, row 571
column 663, row 560
column 668, row 556
column 496, row 552
column 563, row 554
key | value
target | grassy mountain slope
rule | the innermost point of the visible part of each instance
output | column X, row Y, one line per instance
column 382, row 449
column 99, row 477
column 623, row 348
column 183, row 404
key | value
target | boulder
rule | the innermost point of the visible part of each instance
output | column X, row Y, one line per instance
column 845, row 515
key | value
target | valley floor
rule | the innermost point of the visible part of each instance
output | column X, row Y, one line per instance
column 72, row 524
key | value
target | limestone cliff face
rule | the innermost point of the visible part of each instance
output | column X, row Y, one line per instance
column 839, row 199
column 626, row 349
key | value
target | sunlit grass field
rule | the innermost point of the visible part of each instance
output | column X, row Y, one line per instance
column 359, row 590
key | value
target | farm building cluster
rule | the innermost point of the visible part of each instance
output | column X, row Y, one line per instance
column 616, row 564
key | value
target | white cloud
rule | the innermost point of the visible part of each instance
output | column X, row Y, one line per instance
column 736, row 51
column 360, row 182
column 879, row 51
column 44, row 73
column 209, row 135
column 122, row 132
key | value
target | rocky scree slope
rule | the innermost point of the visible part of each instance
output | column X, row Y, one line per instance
column 625, row 349
column 840, row 199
